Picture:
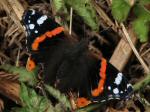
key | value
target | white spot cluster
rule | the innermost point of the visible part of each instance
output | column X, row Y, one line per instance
column 31, row 26
column 115, row 91
column 41, row 20
column 118, row 79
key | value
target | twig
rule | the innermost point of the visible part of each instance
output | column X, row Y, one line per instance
column 4, row 56
column 1, row 105
column 134, row 49
column 104, row 16
column 147, row 51
column 13, row 38
column 70, row 27
column 18, row 56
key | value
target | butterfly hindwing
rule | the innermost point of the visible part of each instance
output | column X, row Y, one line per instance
column 116, row 85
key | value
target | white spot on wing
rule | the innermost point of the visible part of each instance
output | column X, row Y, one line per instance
column 129, row 85
column 103, row 100
column 29, row 21
column 118, row 79
column 41, row 20
column 115, row 91
column 31, row 26
column 36, row 31
column 33, row 12
column 110, row 98
column 109, row 88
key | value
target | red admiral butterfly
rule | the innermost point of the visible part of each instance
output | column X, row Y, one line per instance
column 70, row 66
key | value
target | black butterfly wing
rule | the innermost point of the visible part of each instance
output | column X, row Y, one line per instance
column 116, row 86
column 81, row 73
column 36, row 25
column 42, row 34
column 69, row 67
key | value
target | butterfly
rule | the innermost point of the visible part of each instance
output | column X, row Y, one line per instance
column 70, row 66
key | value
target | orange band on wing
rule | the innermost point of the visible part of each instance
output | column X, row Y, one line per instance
column 48, row 34
column 102, row 74
column 37, row 41
column 82, row 102
column 30, row 64
column 54, row 32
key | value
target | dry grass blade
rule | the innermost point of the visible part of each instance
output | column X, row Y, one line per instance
column 13, row 38
column 11, row 30
column 1, row 105
column 10, row 90
column 9, row 86
column 134, row 49
column 15, row 7
column 4, row 56
column 70, row 27
column 8, row 76
column 104, row 16
column 4, row 22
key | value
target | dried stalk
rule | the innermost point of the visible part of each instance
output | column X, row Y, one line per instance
column 134, row 49
column 70, row 27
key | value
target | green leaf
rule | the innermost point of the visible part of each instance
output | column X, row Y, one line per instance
column 61, row 97
column 142, row 24
column 24, row 94
column 33, row 98
column 20, row 109
column 144, row 2
column 141, row 29
column 84, row 9
column 32, row 102
column 58, row 4
column 120, row 9
column 24, row 75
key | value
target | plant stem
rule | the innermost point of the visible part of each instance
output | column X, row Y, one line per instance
column 70, row 27
column 90, row 107
column 142, row 83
